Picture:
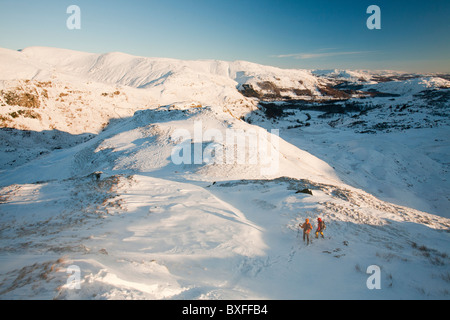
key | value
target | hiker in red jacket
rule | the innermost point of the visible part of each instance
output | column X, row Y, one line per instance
column 307, row 227
column 320, row 227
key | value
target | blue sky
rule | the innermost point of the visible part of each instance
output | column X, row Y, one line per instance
column 414, row 35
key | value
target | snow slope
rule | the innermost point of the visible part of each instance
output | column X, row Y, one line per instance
column 166, row 81
column 103, row 195
column 147, row 229
column 409, row 87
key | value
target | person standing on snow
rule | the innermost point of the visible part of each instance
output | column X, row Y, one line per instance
column 307, row 227
column 320, row 228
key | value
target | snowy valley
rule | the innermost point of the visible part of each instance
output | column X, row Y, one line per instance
column 89, row 187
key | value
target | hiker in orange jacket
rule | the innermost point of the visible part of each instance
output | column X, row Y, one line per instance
column 320, row 227
column 307, row 227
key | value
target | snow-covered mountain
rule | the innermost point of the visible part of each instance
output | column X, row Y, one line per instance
column 89, row 179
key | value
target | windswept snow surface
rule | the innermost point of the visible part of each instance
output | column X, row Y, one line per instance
column 93, row 204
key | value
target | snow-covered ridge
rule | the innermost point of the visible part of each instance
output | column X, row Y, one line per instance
column 410, row 86
column 134, row 71
column 68, row 82
column 170, row 80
